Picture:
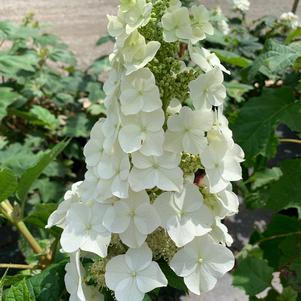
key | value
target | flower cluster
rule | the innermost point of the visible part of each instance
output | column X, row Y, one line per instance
column 290, row 20
column 241, row 5
column 140, row 199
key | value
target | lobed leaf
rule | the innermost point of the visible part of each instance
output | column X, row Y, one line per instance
column 7, row 97
column 31, row 174
column 8, row 183
column 253, row 275
column 258, row 118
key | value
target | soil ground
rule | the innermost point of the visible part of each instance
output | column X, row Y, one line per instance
column 80, row 23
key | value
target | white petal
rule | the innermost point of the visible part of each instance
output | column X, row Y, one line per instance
column 131, row 138
column 151, row 278
column 164, row 208
column 170, row 179
column 96, row 243
column 183, row 264
column 173, row 142
column 129, row 291
column 140, row 161
column 153, row 144
column 139, row 259
column 116, row 218
column 140, row 179
column 132, row 237
column 200, row 280
column 180, row 233
column 146, row 219
column 116, row 271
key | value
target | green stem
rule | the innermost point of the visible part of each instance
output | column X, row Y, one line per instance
column 290, row 140
column 278, row 236
column 295, row 6
column 16, row 266
column 8, row 212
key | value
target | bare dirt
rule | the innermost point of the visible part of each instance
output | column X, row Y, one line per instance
column 80, row 23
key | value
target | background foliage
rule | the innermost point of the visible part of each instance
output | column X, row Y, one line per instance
column 48, row 106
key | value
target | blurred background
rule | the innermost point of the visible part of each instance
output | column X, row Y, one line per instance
column 81, row 23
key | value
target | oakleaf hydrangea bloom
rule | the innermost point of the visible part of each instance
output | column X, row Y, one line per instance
column 242, row 5
column 143, row 132
column 133, row 274
column 290, row 19
column 208, row 89
column 75, row 286
column 72, row 196
column 205, row 59
column 139, row 93
column 152, row 171
column 83, row 231
column 201, row 263
column 94, row 149
column 186, row 131
column 200, row 23
column 142, row 201
column 176, row 25
column 132, row 218
column 184, row 215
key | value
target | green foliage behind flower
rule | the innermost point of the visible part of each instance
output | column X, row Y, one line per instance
column 47, row 108
column 264, row 107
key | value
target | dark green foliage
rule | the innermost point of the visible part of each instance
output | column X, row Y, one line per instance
column 253, row 275
column 45, row 102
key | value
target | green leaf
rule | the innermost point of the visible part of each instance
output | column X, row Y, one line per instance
column 30, row 175
column 275, row 59
column 232, row 58
column 264, row 177
column 256, row 122
column 286, row 193
column 77, row 126
column 236, row 90
column 18, row 157
column 12, row 64
column 49, row 284
column 147, row 298
column 100, row 65
column 288, row 294
column 45, row 117
column 253, row 275
column 12, row 280
column 49, row 190
column 19, row 292
column 62, row 55
column 39, row 216
column 278, row 231
column 95, row 91
column 105, row 39
column 7, row 97
column 293, row 35
column 8, row 183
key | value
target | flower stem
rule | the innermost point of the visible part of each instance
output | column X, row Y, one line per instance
column 278, row 236
column 8, row 212
column 28, row 236
column 290, row 140
column 16, row 266
column 295, row 6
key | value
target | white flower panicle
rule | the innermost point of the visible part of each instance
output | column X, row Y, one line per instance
column 290, row 19
column 164, row 125
column 241, row 5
